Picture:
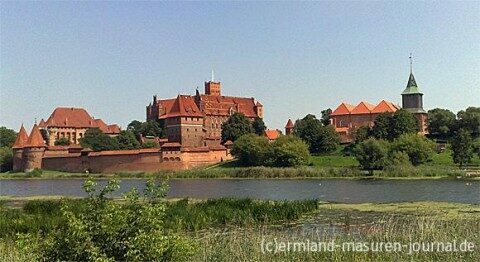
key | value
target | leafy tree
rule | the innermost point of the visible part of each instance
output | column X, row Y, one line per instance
column 251, row 149
column 236, row 126
column 151, row 128
column 381, row 126
column 371, row 154
column 320, row 139
column 136, row 127
column 7, row 137
column 361, row 134
column 417, row 147
column 403, row 122
column 259, row 126
column 150, row 144
column 126, row 140
column 326, row 116
column 462, row 147
column 63, row 141
column 45, row 136
column 6, row 158
column 440, row 121
column 96, row 140
column 469, row 120
column 288, row 151
column 112, row 231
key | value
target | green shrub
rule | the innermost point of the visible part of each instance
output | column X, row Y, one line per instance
column 371, row 154
column 418, row 148
column 35, row 173
column 288, row 151
column 251, row 149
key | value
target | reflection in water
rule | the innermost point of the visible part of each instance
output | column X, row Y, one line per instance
column 331, row 190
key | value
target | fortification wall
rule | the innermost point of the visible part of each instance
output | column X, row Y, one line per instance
column 145, row 160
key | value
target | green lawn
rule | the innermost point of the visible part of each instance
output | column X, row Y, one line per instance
column 333, row 161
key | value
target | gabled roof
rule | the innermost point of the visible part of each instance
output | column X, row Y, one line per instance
column 412, row 87
column 183, row 106
column 221, row 105
column 22, row 138
column 385, row 106
column 35, row 139
column 272, row 134
column 289, row 124
column 342, row 109
column 78, row 118
column 362, row 108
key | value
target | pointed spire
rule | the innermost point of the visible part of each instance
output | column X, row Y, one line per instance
column 411, row 64
column 22, row 138
column 35, row 139
column 213, row 78
column 289, row 123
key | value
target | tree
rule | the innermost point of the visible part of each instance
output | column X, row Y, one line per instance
column 320, row 139
column 96, row 140
column 371, row 154
column 288, row 151
column 469, row 120
column 151, row 128
column 6, row 158
column 462, row 147
column 403, row 122
column 326, row 116
column 136, row 127
column 236, row 126
column 7, row 137
column 259, row 126
column 440, row 121
column 361, row 134
column 62, row 142
column 251, row 149
column 381, row 126
column 417, row 147
column 126, row 140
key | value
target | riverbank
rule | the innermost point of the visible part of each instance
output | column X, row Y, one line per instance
column 236, row 230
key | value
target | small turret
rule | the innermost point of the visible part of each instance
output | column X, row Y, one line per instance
column 17, row 147
column 33, row 150
column 289, row 127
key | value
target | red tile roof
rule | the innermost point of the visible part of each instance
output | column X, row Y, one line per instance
column 272, row 134
column 22, row 138
column 35, row 139
column 77, row 118
column 385, row 106
column 289, row 123
column 362, row 108
column 342, row 109
column 221, row 105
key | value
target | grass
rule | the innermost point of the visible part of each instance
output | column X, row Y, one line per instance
column 233, row 230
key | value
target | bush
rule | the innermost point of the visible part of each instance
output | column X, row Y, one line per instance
column 417, row 147
column 96, row 140
column 126, row 140
column 251, row 149
column 150, row 144
column 111, row 231
column 62, row 142
column 6, row 158
column 371, row 154
column 35, row 173
column 288, row 151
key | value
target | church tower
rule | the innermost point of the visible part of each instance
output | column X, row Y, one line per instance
column 213, row 88
column 412, row 101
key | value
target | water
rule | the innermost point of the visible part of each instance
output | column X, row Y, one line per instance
column 331, row 190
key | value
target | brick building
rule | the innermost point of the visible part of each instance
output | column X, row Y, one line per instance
column 72, row 123
column 346, row 118
column 196, row 121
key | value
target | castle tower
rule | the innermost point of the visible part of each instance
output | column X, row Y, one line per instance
column 213, row 88
column 289, row 127
column 258, row 109
column 17, row 147
column 33, row 150
column 412, row 101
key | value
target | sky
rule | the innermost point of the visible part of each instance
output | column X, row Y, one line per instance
column 295, row 58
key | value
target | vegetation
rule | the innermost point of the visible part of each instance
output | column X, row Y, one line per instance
column 150, row 144
column 259, row 126
column 6, row 158
column 126, row 140
column 389, row 126
column 417, row 147
column 440, row 122
column 236, row 126
column 462, row 147
column 325, row 119
column 96, row 140
column 371, row 154
column 7, row 137
column 149, row 128
column 285, row 151
column 63, row 141
column 320, row 138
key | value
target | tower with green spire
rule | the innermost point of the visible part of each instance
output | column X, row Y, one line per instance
column 412, row 101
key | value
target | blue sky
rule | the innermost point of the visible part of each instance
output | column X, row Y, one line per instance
column 295, row 58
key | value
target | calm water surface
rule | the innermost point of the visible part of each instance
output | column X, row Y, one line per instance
column 331, row 190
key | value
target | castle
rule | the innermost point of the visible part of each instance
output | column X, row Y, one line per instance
column 196, row 121
column 347, row 118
